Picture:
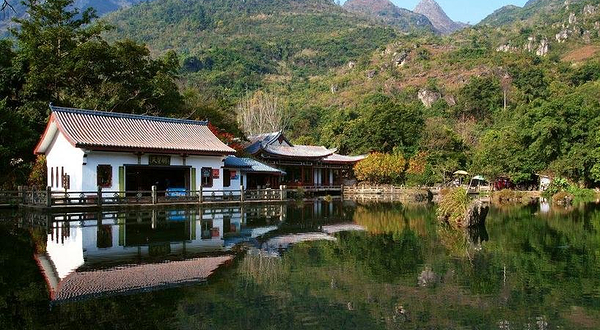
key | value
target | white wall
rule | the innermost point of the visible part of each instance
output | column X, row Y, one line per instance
column 62, row 154
column 198, row 162
column 65, row 252
column 115, row 159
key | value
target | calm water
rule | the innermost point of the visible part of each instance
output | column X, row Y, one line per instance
column 313, row 265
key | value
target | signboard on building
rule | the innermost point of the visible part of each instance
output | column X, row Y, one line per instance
column 216, row 173
column 159, row 160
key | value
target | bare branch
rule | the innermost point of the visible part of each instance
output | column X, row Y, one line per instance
column 261, row 113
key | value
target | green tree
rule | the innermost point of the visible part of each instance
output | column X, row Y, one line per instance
column 480, row 98
column 66, row 61
column 61, row 58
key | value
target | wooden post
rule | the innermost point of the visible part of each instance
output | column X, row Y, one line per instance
column 154, row 197
column 20, row 195
column 342, row 191
column 48, row 196
column 242, row 193
column 200, row 195
column 99, row 200
column 281, row 192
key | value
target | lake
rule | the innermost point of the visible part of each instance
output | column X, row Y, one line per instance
column 306, row 265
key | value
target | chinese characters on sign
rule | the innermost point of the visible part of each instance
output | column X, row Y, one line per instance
column 159, row 160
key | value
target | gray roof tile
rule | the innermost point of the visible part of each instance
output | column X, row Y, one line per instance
column 118, row 131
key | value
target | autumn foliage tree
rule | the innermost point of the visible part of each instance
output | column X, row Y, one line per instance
column 382, row 168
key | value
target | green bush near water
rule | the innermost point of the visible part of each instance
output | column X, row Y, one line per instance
column 561, row 189
column 453, row 206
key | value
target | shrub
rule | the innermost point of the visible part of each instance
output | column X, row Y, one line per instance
column 38, row 175
column 562, row 198
column 557, row 185
column 507, row 196
column 563, row 192
column 453, row 206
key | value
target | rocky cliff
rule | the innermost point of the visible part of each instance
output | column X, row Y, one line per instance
column 437, row 16
column 386, row 11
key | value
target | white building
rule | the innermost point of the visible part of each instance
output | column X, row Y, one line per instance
column 88, row 149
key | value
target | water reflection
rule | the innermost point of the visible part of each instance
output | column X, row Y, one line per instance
column 91, row 254
column 317, row 266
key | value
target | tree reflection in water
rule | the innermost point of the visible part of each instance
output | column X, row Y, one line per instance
column 525, row 270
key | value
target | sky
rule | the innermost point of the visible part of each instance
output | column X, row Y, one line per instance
column 466, row 11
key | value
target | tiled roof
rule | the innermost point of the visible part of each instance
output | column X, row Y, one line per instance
column 125, row 279
column 265, row 137
column 118, row 131
column 299, row 151
column 259, row 141
column 250, row 165
column 266, row 142
column 336, row 158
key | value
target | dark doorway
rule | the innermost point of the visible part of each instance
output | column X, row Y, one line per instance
column 142, row 178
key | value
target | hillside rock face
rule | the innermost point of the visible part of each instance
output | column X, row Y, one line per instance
column 428, row 98
column 386, row 11
column 441, row 22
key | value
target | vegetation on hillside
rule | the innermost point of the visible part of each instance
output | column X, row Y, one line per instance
column 230, row 47
column 458, row 102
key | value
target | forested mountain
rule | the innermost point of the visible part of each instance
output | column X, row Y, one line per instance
column 534, row 12
column 233, row 46
column 515, row 95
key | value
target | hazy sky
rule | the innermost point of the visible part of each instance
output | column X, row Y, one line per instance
column 465, row 11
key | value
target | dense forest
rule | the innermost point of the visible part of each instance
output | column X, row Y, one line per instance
column 516, row 95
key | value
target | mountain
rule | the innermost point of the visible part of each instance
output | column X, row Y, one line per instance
column 567, row 29
column 502, row 16
column 441, row 22
column 534, row 12
column 232, row 46
column 386, row 11
column 18, row 9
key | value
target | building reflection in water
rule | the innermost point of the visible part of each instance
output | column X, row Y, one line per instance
column 93, row 254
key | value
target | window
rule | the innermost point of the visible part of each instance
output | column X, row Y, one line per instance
column 206, row 177
column 226, row 178
column 104, row 176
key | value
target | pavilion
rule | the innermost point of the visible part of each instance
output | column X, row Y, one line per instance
column 304, row 166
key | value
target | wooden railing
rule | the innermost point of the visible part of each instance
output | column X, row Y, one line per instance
column 100, row 198
column 374, row 190
column 398, row 190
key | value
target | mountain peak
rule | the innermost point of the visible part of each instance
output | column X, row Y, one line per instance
column 386, row 11
column 434, row 12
